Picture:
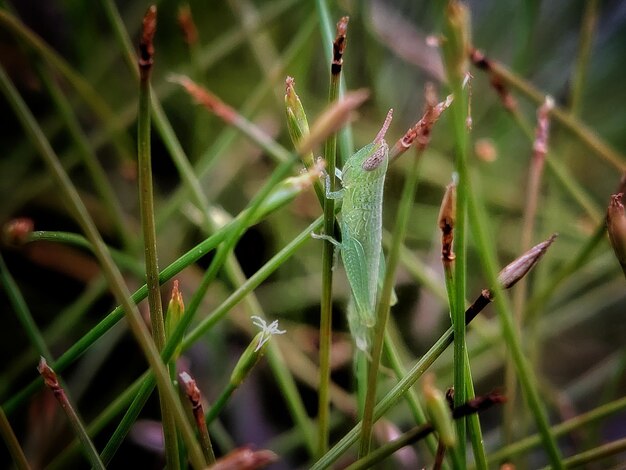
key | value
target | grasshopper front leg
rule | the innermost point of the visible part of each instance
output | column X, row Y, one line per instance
column 330, row 195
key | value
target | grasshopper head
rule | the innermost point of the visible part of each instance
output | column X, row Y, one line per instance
column 380, row 146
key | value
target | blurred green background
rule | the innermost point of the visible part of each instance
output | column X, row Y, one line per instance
column 246, row 49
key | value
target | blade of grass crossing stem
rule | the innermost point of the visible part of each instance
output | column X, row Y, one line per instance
column 524, row 373
column 476, row 433
column 193, row 306
column 170, row 271
column 593, row 455
column 207, row 323
column 393, row 357
column 283, row 376
column 223, row 251
column 559, row 430
column 221, row 258
column 388, row 400
column 113, row 275
column 442, row 412
column 129, row 418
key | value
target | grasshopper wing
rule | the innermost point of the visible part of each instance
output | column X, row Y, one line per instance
column 357, row 272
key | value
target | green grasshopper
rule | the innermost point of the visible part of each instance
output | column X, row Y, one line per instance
column 363, row 179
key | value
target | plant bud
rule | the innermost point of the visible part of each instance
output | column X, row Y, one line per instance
column 447, row 216
column 175, row 311
column 297, row 121
column 616, row 227
column 247, row 360
column 518, row 268
column 439, row 411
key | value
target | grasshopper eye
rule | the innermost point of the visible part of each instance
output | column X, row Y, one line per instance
column 374, row 161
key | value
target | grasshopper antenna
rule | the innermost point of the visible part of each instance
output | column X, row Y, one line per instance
column 383, row 130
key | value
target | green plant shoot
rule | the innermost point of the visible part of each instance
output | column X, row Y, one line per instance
column 363, row 179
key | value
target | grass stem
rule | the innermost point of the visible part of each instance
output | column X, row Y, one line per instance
column 525, row 374
column 328, row 250
column 10, row 439
column 52, row 382
column 456, row 30
column 193, row 395
column 559, row 430
column 146, row 206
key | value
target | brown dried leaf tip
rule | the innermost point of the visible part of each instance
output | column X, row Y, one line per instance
column 146, row 45
column 447, row 216
column 205, row 98
column 478, row 404
column 421, row 131
column 245, row 458
column 297, row 122
column 17, row 231
column 339, row 45
column 191, row 389
column 540, row 146
column 290, row 91
column 332, row 119
column 187, row 25
column 481, row 61
column 176, row 297
column 48, row 375
column 616, row 228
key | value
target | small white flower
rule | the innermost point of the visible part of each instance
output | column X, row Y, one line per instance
column 266, row 330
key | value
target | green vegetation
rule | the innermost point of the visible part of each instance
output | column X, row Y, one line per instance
column 184, row 160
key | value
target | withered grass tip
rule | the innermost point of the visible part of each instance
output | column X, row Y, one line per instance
column 146, row 45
